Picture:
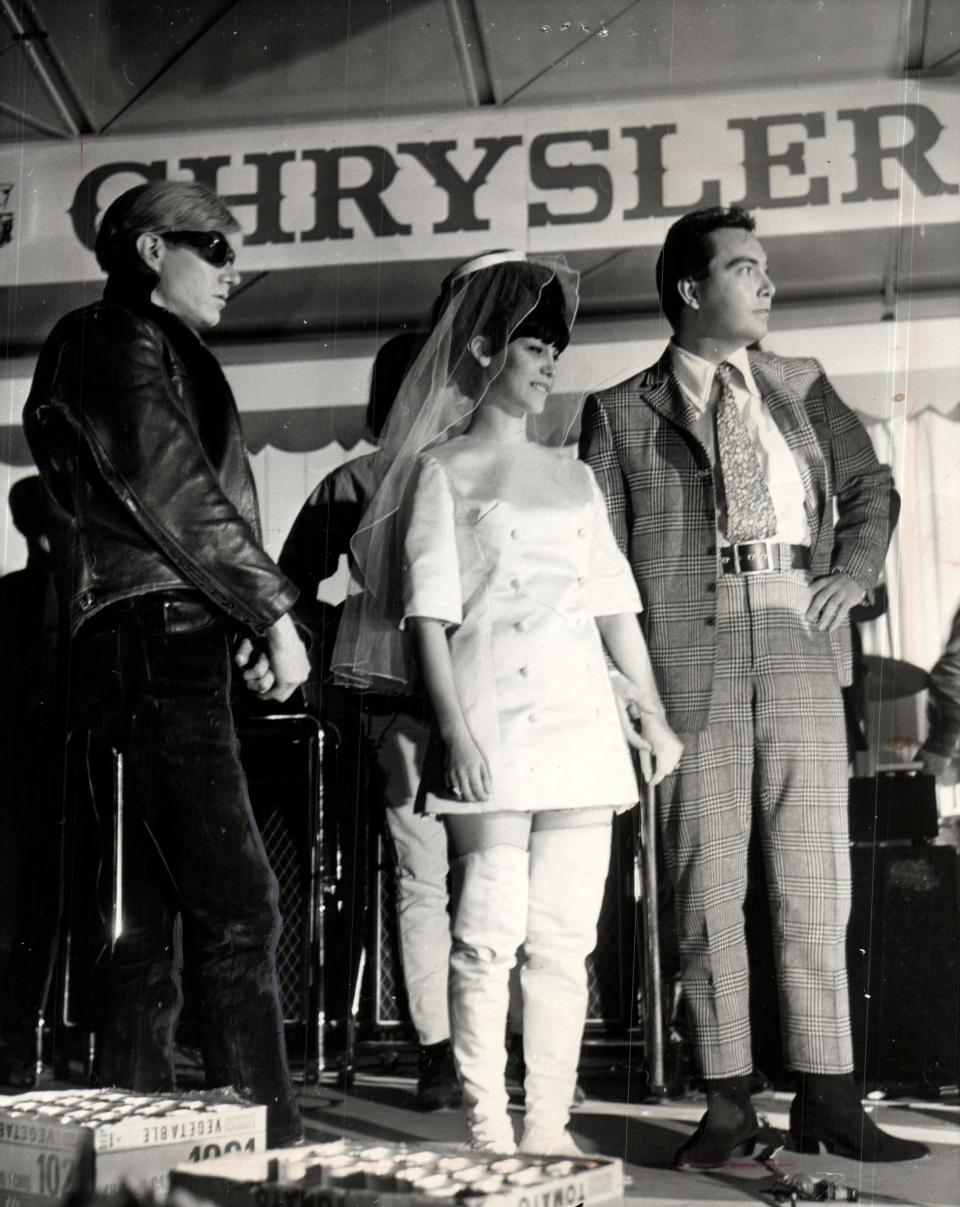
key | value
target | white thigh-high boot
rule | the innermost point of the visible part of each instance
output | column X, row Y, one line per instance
column 568, row 871
column 490, row 912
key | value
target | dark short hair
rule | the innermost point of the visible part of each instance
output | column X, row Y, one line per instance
column 687, row 251
column 546, row 320
column 389, row 366
column 158, row 206
column 30, row 507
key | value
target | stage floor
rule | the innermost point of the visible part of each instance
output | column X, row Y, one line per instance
column 646, row 1135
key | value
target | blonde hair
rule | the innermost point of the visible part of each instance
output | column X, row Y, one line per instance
column 161, row 205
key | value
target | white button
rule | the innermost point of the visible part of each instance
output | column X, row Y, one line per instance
column 515, row 534
column 521, row 626
column 515, row 583
column 533, row 718
column 525, row 671
column 581, row 532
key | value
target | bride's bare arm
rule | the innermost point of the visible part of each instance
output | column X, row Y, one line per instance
column 466, row 768
column 638, row 698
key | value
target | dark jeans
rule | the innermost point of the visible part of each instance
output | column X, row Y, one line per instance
column 155, row 675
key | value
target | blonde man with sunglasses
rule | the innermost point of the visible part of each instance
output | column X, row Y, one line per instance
column 137, row 437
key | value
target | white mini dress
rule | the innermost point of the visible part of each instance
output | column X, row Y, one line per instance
column 518, row 564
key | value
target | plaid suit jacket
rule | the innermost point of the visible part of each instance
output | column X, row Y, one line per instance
column 638, row 437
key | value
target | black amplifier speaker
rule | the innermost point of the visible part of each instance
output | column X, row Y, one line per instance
column 903, row 961
column 282, row 758
column 895, row 807
column 903, row 943
column 610, row 969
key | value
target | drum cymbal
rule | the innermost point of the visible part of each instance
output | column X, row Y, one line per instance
column 891, row 678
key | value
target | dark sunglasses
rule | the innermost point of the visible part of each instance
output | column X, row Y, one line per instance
column 212, row 246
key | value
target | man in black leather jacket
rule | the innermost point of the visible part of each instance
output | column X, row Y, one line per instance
column 137, row 437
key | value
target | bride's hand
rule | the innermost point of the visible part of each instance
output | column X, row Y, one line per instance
column 663, row 744
column 647, row 732
column 467, row 773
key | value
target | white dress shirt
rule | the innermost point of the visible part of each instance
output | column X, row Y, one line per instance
column 697, row 378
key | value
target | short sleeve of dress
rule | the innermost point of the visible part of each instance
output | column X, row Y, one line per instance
column 431, row 578
column 611, row 586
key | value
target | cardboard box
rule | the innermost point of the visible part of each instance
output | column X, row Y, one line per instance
column 349, row 1173
column 54, row 1143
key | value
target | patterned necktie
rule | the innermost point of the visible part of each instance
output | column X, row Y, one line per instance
column 750, row 512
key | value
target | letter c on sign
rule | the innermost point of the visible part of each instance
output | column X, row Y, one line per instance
column 85, row 209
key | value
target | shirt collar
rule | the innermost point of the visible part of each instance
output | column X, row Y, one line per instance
column 696, row 375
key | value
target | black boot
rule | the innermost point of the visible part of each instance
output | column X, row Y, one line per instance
column 827, row 1110
column 437, row 1086
column 728, row 1128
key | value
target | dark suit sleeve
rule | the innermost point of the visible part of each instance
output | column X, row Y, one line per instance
column 321, row 533
column 867, row 504
column 598, row 451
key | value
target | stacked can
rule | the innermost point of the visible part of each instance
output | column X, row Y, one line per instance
column 344, row 1171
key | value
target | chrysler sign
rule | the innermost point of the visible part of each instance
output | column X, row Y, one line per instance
column 833, row 158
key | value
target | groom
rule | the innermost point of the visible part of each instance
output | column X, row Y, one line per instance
column 755, row 515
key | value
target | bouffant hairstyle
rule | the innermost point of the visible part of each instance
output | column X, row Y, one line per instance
column 506, row 301
column 489, row 302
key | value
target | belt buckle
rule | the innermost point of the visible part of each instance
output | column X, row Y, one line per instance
column 755, row 557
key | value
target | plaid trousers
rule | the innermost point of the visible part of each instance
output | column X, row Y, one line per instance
column 775, row 744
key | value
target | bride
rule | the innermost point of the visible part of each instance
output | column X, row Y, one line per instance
column 489, row 569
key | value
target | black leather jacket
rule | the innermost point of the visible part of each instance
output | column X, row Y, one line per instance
column 136, row 433
column 944, row 705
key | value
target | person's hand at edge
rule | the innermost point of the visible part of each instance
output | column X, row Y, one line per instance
column 831, row 598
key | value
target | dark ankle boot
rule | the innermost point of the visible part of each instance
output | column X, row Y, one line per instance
column 728, row 1128
column 437, row 1086
column 827, row 1110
